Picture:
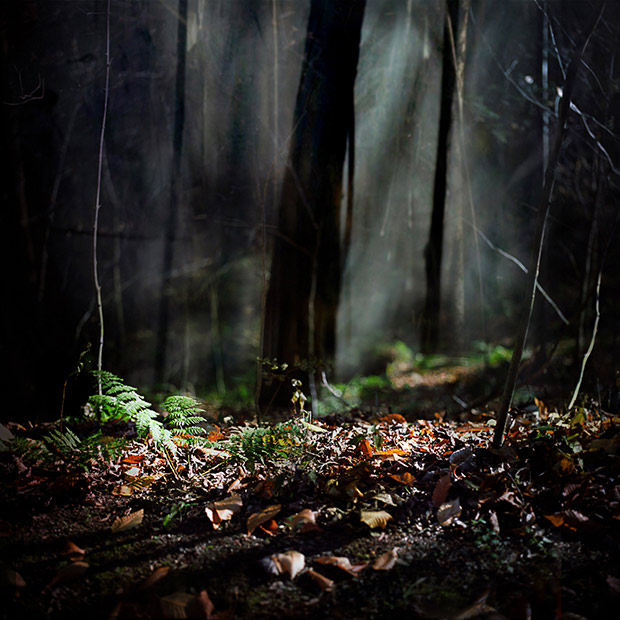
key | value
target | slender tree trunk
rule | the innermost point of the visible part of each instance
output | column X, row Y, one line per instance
column 304, row 287
column 434, row 248
column 539, row 236
column 172, row 222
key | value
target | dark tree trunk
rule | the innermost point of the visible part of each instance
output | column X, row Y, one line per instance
column 434, row 248
column 304, row 287
column 172, row 223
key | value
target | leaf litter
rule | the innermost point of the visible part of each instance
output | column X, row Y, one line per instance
column 428, row 502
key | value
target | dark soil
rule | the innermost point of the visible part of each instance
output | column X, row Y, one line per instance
column 536, row 533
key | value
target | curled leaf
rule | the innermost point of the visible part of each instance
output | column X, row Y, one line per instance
column 258, row 518
column 386, row 561
column 447, row 512
column 327, row 585
column 133, row 519
column 73, row 552
column 69, row 572
column 223, row 510
column 303, row 521
column 289, row 563
column 343, row 564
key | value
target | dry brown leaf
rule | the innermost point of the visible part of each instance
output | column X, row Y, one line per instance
column 67, row 573
column 258, row 518
column 303, row 521
column 395, row 418
column 206, row 604
column 343, row 564
column 73, row 552
column 477, row 609
column 133, row 519
column 155, row 577
column 375, row 518
column 447, row 512
column 289, row 562
column 123, row 490
column 386, row 561
column 12, row 580
column 223, row 510
column 327, row 585
column 182, row 605
column 442, row 488
column 405, row 478
column 613, row 583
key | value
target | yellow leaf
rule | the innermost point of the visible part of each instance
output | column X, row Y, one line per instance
column 375, row 518
column 258, row 518
column 134, row 519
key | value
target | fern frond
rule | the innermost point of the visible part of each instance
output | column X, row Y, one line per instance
column 184, row 416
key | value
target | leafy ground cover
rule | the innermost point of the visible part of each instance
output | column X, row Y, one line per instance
column 364, row 513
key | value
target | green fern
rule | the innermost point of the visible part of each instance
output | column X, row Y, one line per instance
column 183, row 420
column 121, row 401
column 82, row 453
column 261, row 445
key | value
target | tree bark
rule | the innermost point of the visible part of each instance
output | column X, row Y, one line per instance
column 434, row 248
column 305, row 282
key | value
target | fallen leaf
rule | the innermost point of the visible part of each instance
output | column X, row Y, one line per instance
column 613, row 583
column 365, row 448
column 394, row 418
column 375, row 518
column 259, row 518
column 384, row 498
column 205, row 603
column 343, row 564
column 182, row 605
column 133, row 458
column 155, row 577
column 73, row 552
column 132, row 472
column 270, row 527
column 441, row 490
column 327, row 585
column 133, row 519
column 303, row 521
column 447, row 512
column 391, row 454
column 223, row 510
column 123, row 490
column 406, row 478
column 289, row 562
column 386, row 561
column 460, row 456
column 12, row 580
column 477, row 609
column 67, row 573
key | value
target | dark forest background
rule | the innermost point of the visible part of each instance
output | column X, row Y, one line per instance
column 303, row 180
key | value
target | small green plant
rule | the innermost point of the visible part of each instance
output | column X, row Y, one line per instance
column 261, row 444
column 176, row 512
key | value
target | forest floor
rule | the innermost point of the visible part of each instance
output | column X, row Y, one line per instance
column 375, row 512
